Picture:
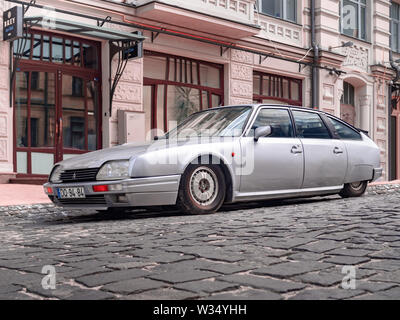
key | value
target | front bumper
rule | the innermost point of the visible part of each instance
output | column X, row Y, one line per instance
column 377, row 174
column 133, row 192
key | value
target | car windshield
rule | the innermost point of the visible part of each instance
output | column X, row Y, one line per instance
column 220, row 122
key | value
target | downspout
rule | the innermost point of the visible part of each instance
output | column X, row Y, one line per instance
column 395, row 67
column 392, row 85
column 315, row 71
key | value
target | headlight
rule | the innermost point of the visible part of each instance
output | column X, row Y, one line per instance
column 114, row 170
column 55, row 175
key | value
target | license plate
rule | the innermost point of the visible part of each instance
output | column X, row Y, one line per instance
column 68, row 193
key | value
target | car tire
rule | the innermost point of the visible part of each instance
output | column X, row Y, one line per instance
column 355, row 189
column 202, row 189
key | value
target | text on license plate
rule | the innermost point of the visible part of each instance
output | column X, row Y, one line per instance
column 75, row 192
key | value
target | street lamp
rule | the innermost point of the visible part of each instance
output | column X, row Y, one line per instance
column 343, row 45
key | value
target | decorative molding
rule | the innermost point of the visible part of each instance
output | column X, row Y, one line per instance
column 127, row 92
column 380, row 125
column 242, row 56
column 3, row 126
column 241, row 72
column 328, row 94
column 280, row 31
column 3, row 150
column 242, row 89
column 239, row 101
column 356, row 56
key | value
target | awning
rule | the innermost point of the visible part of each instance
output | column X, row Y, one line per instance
column 83, row 29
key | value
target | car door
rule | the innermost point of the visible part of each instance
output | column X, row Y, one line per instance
column 274, row 162
column 325, row 158
column 359, row 151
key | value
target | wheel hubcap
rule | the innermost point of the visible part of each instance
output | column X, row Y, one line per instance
column 356, row 185
column 203, row 186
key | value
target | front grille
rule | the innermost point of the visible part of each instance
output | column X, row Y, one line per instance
column 97, row 199
column 79, row 175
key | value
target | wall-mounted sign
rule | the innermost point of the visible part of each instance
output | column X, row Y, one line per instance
column 13, row 20
column 133, row 50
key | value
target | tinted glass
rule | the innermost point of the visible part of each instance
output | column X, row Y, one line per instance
column 349, row 21
column 278, row 119
column 310, row 126
column 272, row 7
column 343, row 131
column 291, row 10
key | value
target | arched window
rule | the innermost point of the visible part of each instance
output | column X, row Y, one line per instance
column 347, row 105
column 348, row 94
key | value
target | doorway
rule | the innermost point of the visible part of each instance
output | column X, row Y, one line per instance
column 56, row 104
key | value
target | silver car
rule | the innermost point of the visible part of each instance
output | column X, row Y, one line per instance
column 223, row 155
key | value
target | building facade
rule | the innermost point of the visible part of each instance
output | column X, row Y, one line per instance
column 57, row 100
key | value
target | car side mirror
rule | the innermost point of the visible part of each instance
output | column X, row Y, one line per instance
column 263, row 131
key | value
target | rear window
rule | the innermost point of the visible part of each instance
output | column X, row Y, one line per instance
column 344, row 131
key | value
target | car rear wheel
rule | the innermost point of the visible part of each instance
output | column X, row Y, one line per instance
column 354, row 189
column 202, row 189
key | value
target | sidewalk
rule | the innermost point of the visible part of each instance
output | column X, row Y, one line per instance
column 16, row 194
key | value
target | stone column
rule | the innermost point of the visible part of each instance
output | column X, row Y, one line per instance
column 240, row 78
column 128, row 94
column 365, row 108
column 6, row 113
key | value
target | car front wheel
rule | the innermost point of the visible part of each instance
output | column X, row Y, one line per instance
column 202, row 189
column 354, row 189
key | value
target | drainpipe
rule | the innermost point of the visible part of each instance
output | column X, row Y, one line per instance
column 315, row 71
column 395, row 67
column 392, row 84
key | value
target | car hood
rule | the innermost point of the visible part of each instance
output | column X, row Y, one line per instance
column 96, row 158
column 126, row 151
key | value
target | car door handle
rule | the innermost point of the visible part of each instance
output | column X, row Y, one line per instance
column 337, row 150
column 296, row 149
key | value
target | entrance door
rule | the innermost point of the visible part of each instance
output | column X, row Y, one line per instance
column 35, row 121
column 78, row 116
column 56, row 118
column 394, row 169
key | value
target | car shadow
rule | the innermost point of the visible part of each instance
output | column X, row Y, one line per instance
column 82, row 216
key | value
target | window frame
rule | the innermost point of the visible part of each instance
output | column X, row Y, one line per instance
column 179, row 67
column 359, row 5
column 273, row 79
column 251, row 123
column 283, row 12
column 331, row 127
column 349, row 90
column 392, row 21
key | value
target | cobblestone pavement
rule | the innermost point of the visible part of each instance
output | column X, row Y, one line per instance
column 273, row 250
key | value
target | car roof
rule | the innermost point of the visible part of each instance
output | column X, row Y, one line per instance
column 277, row 105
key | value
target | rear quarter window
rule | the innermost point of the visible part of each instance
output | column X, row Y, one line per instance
column 344, row 131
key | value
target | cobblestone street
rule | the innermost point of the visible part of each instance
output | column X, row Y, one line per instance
column 292, row 249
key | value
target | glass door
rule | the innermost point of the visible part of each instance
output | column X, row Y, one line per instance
column 56, row 118
column 35, row 122
column 78, row 115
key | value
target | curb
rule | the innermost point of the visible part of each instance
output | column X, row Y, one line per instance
column 383, row 188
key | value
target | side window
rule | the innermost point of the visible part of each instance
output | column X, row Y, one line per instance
column 309, row 125
column 278, row 119
column 343, row 131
